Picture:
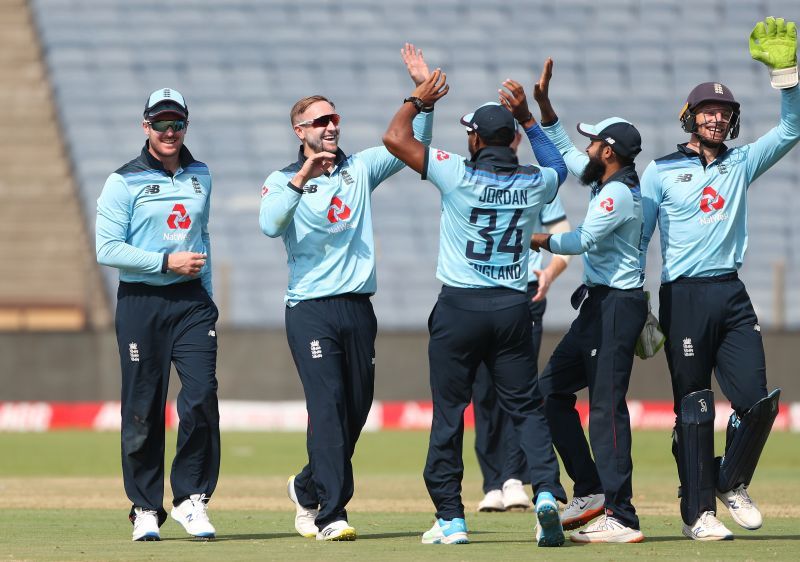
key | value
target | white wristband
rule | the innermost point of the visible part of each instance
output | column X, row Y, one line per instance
column 783, row 78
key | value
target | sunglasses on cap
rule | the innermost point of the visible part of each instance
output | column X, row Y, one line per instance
column 162, row 126
column 321, row 121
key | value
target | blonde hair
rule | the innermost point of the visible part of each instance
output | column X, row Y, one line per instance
column 304, row 103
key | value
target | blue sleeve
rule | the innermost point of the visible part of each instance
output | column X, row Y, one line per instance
column 546, row 152
column 575, row 159
column 767, row 150
column 651, row 201
column 278, row 204
column 611, row 208
column 114, row 209
column 379, row 161
column 205, row 274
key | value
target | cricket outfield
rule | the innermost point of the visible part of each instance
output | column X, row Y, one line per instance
column 61, row 498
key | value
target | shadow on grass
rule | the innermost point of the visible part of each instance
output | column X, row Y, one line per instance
column 228, row 537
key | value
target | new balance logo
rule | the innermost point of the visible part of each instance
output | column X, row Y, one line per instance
column 683, row 178
column 133, row 350
column 152, row 189
column 312, row 188
column 316, row 350
column 688, row 348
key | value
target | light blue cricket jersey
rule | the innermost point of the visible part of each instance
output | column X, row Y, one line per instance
column 551, row 213
column 610, row 235
column 145, row 212
column 701, row 210
column 327, row 230
column 489, row 208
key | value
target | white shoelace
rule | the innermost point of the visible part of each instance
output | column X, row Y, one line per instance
column 199, row 507
column 709, row 520
column 741, row 497
column 139, row 520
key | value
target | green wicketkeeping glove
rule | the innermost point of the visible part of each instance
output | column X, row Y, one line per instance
column 774, row 42
column 652, row 338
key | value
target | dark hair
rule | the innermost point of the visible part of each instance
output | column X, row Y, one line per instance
column 304, row 103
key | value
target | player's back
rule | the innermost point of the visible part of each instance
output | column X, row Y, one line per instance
column 489, row 207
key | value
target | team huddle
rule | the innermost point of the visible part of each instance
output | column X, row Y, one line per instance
column 497, row 215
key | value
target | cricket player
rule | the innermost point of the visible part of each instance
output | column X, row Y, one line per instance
column 698, row 198
column 500, row 458
column 321, row 207
column 597, row 351
column 152, row 225
column 489, row 204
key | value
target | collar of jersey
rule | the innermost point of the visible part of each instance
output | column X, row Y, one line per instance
column 496, row 156
column 184, row 158
column 688, row 152
column 340, row 157
column 626, row 175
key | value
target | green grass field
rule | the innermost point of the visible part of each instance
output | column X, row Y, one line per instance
column 61, row 498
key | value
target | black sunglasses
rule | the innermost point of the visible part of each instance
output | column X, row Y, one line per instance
column 162, row 126
column 321, row 121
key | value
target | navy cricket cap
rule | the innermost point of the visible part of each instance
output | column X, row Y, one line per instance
column 618, row 133
column 489, row 120
column 165, row 100
column 711, row 91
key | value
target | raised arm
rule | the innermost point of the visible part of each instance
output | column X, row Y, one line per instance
column 513, row 97
column 399, row 137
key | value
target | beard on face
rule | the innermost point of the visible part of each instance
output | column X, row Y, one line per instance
column 593, row 171
column 317, row 143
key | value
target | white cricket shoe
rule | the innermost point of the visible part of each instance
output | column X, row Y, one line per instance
column 607, row 529
column 581, row 510
column 145, row 525
column 492, row 501
column 304, row 518
column 515, row 497
column 453, row 531
column 337, row 531
column 707, row 528
column 193, row 515
column 742, row 508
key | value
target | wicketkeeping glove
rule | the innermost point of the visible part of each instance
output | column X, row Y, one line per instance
column 651, row 339
column 774, row 42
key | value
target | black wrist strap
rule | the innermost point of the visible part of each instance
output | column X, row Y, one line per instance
column 165, row 263
column 292, row 186
column 418, row 103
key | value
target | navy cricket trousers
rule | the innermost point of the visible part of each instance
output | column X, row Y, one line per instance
column 333, row 345
column 711, row 326
column 157, row 326
column 496, row 442
column 469, row 327
column 597, row 352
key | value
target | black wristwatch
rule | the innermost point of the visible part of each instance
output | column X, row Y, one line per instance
column 418, row 103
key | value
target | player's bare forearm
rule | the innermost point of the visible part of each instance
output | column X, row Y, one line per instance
column 556, row 267
column 399, row 138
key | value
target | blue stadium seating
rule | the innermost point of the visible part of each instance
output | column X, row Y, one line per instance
column 242, row 63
